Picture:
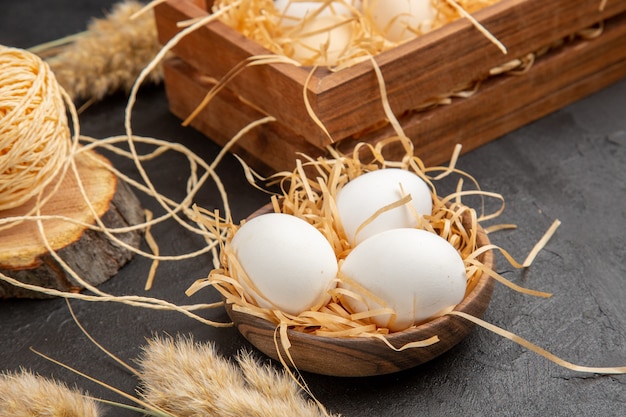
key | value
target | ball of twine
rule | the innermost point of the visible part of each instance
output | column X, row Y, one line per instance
column 35, row 140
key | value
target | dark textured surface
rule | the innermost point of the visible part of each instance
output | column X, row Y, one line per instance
column 570, row 166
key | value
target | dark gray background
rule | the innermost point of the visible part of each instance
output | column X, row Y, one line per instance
column 569, row 166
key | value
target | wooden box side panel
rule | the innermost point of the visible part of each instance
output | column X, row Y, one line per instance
column 267, row 148
column 214, row 50
column 503, row 104
column 507, row 102
column 447, row 59
column 347, row 102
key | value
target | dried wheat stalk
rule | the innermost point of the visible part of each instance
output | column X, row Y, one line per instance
column 23, row 394
column 185, row 379
column 108, row 56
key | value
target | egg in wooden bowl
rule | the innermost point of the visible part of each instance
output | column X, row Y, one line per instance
column 352, row 327
column 368, row 355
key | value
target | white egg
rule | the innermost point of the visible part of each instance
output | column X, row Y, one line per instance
column 362, row 197
column 297, row 10
column 323, row 40
column 290, row 263
column 324, row 36
column 399, row 20
column 415, row 272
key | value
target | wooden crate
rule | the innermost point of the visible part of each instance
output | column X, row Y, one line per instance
column 348, row 102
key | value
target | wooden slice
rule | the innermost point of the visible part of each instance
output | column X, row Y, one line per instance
column 91, row 254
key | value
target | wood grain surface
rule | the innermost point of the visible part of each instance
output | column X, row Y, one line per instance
column 24, row 255
column 348, row 101
column 500, row 105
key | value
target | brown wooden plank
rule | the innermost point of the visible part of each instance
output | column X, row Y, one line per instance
column 216, row 49
column 501, row 105
column 91, row 254
column 269, row 148
column 348, row 101
column 439, row 62
column 506, row 103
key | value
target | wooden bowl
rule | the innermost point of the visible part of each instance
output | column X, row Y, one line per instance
column 361, row 356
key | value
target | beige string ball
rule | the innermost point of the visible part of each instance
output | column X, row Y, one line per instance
column 35, row 139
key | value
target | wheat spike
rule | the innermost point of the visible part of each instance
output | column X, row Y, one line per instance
column 188, row 379
column 23, row 394
column 109, row 55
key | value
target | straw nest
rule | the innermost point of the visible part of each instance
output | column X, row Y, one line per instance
column 284, row 34
column 309, row 193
